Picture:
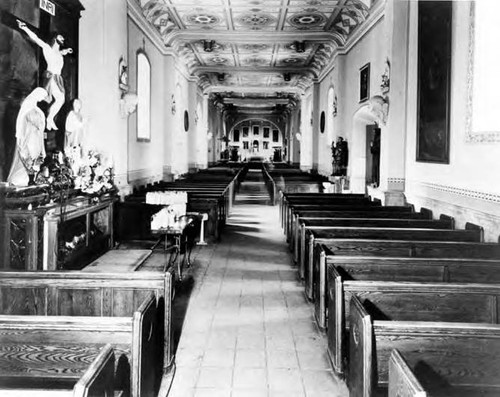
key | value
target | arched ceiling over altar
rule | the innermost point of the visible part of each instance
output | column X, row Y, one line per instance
column 265, row 48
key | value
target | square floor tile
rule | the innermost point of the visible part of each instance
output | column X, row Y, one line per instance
column 280, row 342
column 249, row 393
column 251, row 341
column 250, row 358
column 314, row 360
column 220, row 378
column 218, row 358
column 282, row 359
column 319, row 380
column 285, row 379
column 211, row 392
column 249, row 378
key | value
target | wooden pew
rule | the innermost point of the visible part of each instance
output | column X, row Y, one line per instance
column 28, row 372
column 135, row 340
column 348, row 212
column 466, row 353
column 316, row 275
column 402, row 380
column 100, row 296
column 333, row 203
column 299, row 233
column 288, row 199
column 377, row 289
column 385, row 254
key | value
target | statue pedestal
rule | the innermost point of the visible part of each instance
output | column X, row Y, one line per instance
column 337, row 182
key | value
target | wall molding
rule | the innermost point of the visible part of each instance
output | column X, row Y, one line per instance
column 474, row 194
column 396, row 184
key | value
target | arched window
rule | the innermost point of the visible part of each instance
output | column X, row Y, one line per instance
column 332, row 110
column 143, row 97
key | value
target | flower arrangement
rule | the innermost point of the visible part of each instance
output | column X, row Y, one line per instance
column 92, row 172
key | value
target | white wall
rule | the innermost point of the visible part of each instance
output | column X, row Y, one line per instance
column 103, row 40
column 466, row 188
column 145, row 162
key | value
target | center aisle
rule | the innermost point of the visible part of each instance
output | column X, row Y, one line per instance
column 248, row 330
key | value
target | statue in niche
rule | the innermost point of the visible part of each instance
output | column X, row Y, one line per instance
column 30, row 148
column 74, row 125
column 340, row 157
column 53, row 81
column 379, row 107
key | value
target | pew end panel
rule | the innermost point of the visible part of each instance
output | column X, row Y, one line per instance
column 426, row 213
column 448, row 218
column 98, row 380
column 402, row 380
column 477, row 228
column 319, row 287
column 360, row 375
column 336, row 336
column 147, row 366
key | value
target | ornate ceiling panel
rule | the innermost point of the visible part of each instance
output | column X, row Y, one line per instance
column 276, row 45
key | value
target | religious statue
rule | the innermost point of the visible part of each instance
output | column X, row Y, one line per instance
column 30, row 149
column 53, row 81
column 339, row 157
column 386, row 77
column 74, row 125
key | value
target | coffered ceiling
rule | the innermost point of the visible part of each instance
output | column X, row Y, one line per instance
column 255, row 46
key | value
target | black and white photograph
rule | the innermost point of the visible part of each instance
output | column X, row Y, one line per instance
column 249, row 198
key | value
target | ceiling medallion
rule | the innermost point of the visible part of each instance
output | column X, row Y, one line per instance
column 219, row 60
column 256, row 47
column 255, row 61
column 256, row 19
column 307, row 20
column 292, row 61
column 203, row 19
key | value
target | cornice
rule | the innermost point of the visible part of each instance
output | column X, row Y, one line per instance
column 376, row 15
column 134, row 12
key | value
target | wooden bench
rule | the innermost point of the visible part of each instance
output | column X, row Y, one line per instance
column 402, row 380
column 341, row 289
column 466, row 353
column 316, row 275
column 379, row 251
column 40, row 369
column 99, row 296
column 348, row 212
column 299, row 233
column 290, row 207
column 136, row 340
column 288, row 199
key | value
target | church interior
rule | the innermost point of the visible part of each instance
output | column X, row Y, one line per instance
column 249, row 198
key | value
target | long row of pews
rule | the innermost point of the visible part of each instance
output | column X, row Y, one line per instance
column 281, row 177
column 105, row 329
column 409, row 304
column 209, row 191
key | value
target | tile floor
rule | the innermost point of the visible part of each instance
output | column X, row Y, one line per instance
column 248, row 330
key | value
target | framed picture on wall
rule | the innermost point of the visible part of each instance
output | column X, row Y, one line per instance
column 434, row 81
column 364, row 83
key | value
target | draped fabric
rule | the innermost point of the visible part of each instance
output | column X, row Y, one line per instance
column 30, row 125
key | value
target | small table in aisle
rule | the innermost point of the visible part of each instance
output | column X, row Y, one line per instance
column 178, row 240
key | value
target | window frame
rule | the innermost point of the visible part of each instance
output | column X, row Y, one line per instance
column 146, row 136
